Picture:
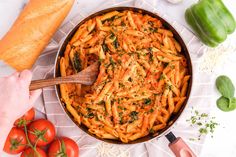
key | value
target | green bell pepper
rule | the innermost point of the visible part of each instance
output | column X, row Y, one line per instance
column 224, row 15
column 211, row 21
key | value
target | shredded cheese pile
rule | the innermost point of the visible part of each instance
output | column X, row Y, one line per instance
column 214, row 58
column 110, row 150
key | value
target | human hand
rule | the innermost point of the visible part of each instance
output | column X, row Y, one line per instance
column 15, row 97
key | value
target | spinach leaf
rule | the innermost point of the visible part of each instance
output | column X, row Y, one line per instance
column 90, row 115
column 115, row 43
column 151, row 110
column 112, row 62
column 153, row 29
column 225, row 86
column 147, row 101
column 134, row 116
column 77, row 62
column 123, row 24
column 151, row 131
column 110, row 19
column 226, row 104
column 104, row 47
column 112, row 36
column 102, row 102
column 130, row 79
column 150, row 23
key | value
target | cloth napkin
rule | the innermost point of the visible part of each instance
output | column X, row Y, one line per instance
column 200, row 98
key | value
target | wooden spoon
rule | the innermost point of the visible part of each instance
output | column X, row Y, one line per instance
column 86, row 77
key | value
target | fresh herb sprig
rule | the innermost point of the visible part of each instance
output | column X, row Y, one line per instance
column 203, row 122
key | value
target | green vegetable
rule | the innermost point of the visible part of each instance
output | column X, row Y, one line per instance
column 115, row 43
column 104, row 47
column 225, row 86
column 232, row 102
column 224, row 15
column 121, row 85
column 147, row 101
column 151, row 110
column 199, row 32
column 226, row 104
column 153, row 29
column 211, row 21
column 102, row 102
column 112, row 36
column 90, row 115
column 203, row 122
column 134, row 116
column 112, row 62
column 151, row 131
column 123, row 24
column 77, row 62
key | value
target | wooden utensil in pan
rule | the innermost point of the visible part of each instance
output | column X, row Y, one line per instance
column 85, row 77
column 177, row 145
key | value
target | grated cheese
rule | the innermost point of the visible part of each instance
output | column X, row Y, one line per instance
column 110, row 150
column 214, row 58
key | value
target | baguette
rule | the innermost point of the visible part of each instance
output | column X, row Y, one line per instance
column 32, row 31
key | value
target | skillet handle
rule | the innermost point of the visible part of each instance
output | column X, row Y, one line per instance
column 179, row 147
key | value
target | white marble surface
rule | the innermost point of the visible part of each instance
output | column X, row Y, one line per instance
column 224, row 141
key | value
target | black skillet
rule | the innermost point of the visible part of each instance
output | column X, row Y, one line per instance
column 177, row 145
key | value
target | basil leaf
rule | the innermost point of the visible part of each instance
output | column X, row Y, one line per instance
column 225, row 104
column 225, row 86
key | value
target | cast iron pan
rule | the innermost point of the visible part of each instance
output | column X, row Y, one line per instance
column 173, row 118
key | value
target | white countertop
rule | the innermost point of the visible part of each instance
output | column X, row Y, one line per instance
column 224, row 141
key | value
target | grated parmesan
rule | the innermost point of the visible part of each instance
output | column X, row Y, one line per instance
column 110, row 150
column 214, row 58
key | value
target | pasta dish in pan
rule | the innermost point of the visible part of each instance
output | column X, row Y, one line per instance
column 142, row 81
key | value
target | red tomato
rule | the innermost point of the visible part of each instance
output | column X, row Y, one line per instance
column 31, row 153
column 63, row 146
column 25, row 119
column 15, row 142
column 42, row 131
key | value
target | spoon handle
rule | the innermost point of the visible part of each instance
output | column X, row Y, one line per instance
column 85, row 77
column 82, row 79
column 37, row 84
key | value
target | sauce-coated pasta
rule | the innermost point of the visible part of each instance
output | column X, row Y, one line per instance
column 143, row 77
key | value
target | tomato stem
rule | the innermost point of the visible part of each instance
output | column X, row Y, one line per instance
column 27, row 138
column 29, row 143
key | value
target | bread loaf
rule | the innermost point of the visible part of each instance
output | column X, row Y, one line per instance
column 32, row 31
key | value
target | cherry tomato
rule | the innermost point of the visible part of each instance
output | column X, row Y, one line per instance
column 42, row 131
column 25, row 119
column 15, row 142
column 63, row 146
column 32, row 153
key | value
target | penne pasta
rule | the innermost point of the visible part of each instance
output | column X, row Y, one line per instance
column 165, row 32
column 142, row 81
column 179, row 104
column 171, row 105
column 159, row 127
column 109, row 15
column 134, row 33
column 111, row 131
column 131, row 21
column 184, row 89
